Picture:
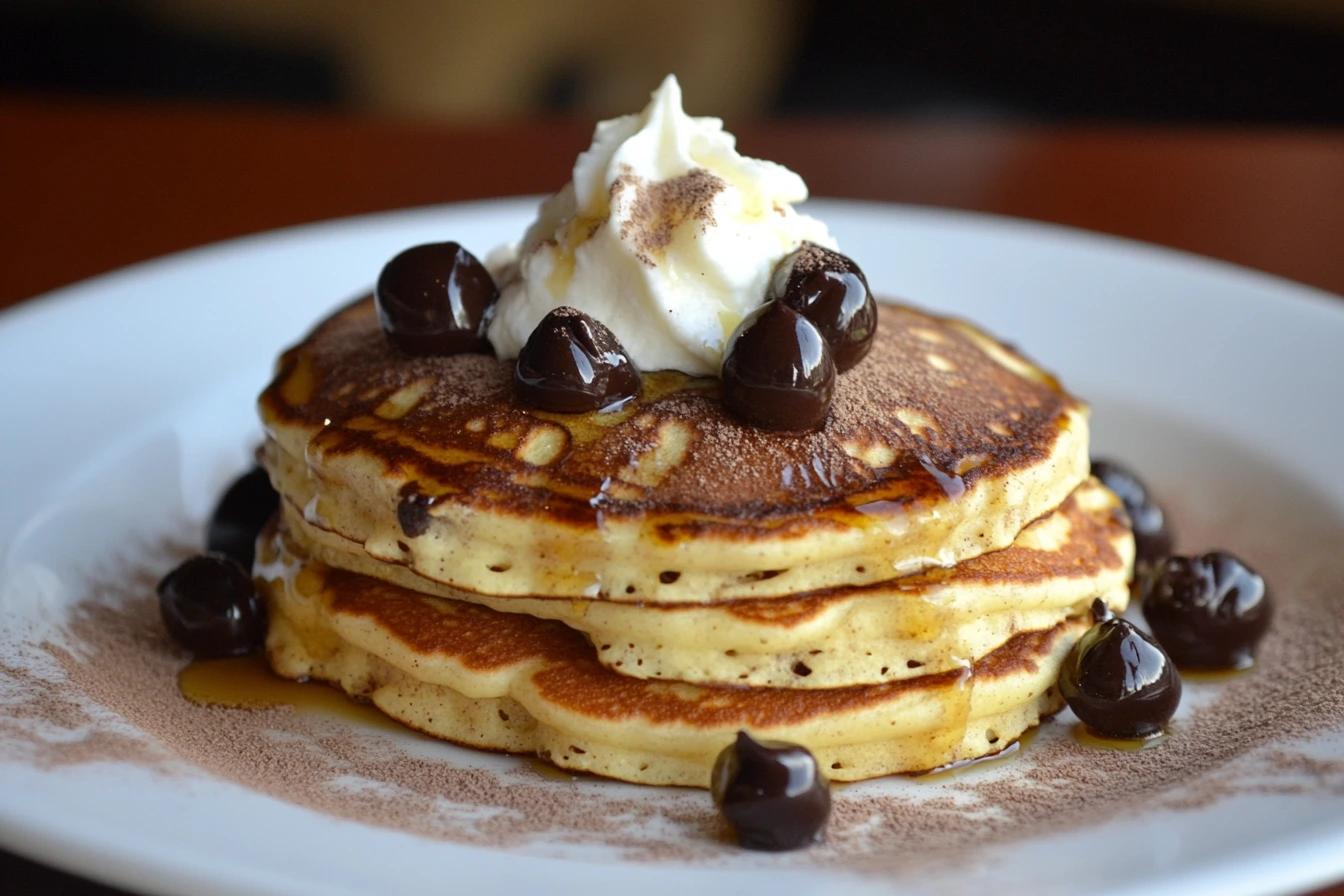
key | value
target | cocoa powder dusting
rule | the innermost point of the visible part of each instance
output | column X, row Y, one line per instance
column 106, row 692
column 656, row 209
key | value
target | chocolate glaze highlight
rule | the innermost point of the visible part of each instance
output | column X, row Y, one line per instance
column 572, row 364
column 830, row 290
column 1153, row 540
column 210, row 606
column 436, row 299
column 771, row 793
column 413, row 511
column 1209, row 612
column 1118, row 681
column 777, row 371
column 238, row 518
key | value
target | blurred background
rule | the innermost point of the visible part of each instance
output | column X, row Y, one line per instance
column 134, row 128
column 1031, row 61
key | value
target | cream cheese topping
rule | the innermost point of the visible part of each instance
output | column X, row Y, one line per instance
column 666, row 234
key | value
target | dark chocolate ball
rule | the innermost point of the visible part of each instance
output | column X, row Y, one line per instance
column 1128, row 487
column 436, row 299
column 572, row 364
column 828, row 289
column 240, row 515
column 1209, row 612
column 413, row 510
column 1153, row 539
column 777, row 371
column 210, row 606
column 771, row 793
column 1119, row 681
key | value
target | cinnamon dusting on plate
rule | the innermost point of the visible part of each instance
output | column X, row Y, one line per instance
column 107, row 693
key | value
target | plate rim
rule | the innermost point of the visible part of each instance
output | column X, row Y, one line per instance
column 89, row 857
column 75, row 291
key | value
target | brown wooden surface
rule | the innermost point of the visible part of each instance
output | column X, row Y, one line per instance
column 89, row 188
column 86, row 189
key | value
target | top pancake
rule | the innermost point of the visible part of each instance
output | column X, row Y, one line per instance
column 941, row 445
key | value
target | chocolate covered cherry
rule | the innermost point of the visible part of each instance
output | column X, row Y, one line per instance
column 413, row 510
column 210, row 606
column 1152, row 535
column 828, row 289
column 1119, row 681
column 238, row 518
column 436, row 299
column 1209, row 612
column 573, row 363
column 777, row 370
column 771, row 793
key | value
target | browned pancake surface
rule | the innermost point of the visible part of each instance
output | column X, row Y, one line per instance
column 484, row 640
column 1081, row 558
column 986, row 421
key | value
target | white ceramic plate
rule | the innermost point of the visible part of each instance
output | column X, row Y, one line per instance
column 128, row 406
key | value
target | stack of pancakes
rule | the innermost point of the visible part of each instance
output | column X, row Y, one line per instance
column 623, row 592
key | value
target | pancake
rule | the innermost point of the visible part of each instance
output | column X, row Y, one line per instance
column 917, row 625
column 940, row 446
column 509, row 681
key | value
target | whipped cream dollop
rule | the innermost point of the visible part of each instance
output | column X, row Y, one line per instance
column 666, row 234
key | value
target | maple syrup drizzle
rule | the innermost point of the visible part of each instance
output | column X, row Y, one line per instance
column 1214, row 676
column 1088, row 738
column 551, row 772
column 961, row 766
column 247, row 682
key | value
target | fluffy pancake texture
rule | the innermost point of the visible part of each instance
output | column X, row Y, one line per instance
column 918, row 625
column 941, row 446
column 623, row 592
column 510, row 681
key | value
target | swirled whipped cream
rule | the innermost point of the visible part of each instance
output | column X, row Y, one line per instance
column 666, row 234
